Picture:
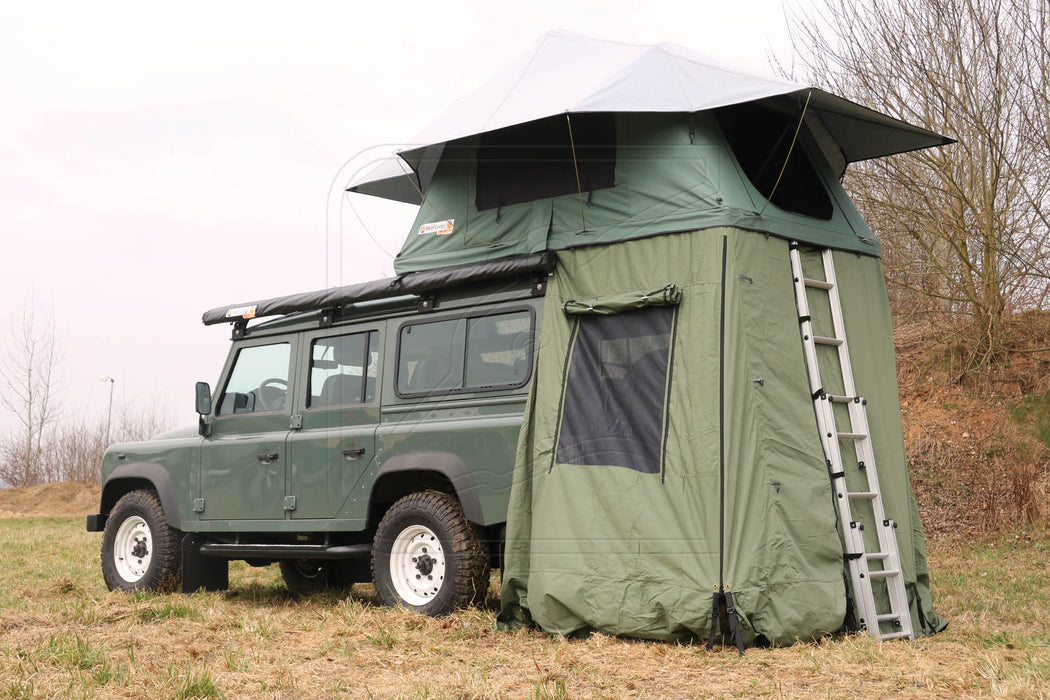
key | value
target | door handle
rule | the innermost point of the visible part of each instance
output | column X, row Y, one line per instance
column 352, row 453
column 266, row 457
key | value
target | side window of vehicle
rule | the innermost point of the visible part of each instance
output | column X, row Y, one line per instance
column 430, row 357
column 259, row 380
column 465, row 354
column 498, row 350
column 343, row 370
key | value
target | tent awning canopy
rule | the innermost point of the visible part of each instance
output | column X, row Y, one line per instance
column 566, row 74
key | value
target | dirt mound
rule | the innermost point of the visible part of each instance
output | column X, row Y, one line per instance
column 978, row 442
column 49, row 500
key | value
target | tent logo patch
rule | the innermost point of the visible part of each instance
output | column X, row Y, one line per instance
column 438, row 228
column 242, row 312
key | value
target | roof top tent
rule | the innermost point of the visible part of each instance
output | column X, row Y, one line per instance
column 713, row 438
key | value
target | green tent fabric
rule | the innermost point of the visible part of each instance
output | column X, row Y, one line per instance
column 607, row 547
column 674, row 172
column 628, row 301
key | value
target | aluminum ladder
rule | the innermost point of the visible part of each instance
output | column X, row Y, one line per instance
column 887, row 557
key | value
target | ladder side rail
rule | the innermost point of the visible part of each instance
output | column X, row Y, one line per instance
column 856, row 554
column 802, row 303
column 886, row 529
column 853, row 540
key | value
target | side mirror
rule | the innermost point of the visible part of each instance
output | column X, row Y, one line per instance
column 203, row 408
column 203, row 398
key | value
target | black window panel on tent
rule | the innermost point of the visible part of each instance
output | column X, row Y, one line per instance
column 761, row 138
column 536, row 160
column 615, row 400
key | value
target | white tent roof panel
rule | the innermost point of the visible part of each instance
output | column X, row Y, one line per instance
column 564, row 73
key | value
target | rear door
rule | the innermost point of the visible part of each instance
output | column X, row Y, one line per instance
column 339, row 409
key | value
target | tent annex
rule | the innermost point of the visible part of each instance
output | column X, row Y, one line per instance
column 713, row 440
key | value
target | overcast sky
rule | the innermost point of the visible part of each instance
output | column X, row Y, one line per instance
column 156, row 162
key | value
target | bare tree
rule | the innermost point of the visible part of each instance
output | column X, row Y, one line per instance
column 73, row 449
column 28, row 390
column 965, row 228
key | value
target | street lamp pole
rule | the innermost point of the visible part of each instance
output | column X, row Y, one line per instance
column 109, row 416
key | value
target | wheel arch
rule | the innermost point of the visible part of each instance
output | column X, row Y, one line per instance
column 141, row 475
column 422, row 471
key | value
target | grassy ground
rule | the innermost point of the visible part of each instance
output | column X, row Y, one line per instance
column 63, row 635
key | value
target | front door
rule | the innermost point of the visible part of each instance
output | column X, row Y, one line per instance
column 243, row 461
column 340, row 412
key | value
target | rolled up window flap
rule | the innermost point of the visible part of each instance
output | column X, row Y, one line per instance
column 668, row 295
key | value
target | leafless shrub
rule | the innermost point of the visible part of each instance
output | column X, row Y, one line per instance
column 74, row 452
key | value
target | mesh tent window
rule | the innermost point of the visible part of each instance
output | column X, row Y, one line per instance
column 618, row 372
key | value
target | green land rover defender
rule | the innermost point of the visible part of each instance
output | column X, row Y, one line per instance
column 366, row 433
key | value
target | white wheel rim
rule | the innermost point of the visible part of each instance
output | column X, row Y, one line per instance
column 133, row 549
column 417, row 565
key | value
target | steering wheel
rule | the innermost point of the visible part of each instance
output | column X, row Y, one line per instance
column 272, row 393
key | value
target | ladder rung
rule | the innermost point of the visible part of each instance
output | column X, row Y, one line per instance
column 863, row 494
column 824, row 340
column 894, row 635
column 838, row 398
column 879, row 556
column 852, row 436
column 887, row 617
column 889, row 573
column 819, row 284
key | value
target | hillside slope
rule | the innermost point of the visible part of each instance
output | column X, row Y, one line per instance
column 54, row 500
column 978, row 442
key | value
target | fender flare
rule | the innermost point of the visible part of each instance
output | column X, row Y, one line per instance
column 154, row 475
column 449, row 465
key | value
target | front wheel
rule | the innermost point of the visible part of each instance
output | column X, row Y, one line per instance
column 140, row 551
column 428, row 557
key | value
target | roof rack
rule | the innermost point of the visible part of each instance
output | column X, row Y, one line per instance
column 408, row 283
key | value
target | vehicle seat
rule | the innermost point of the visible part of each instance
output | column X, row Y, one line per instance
column 340, row 389
column 430, row 374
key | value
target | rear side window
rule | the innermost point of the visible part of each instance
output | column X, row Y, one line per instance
column 343, row 370
column 474, row 353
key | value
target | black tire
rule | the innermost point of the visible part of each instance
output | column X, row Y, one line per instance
column 140, row 551
column 311, row 575
column 440, row 561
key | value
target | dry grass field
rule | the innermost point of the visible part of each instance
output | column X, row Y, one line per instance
column 63, row 635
